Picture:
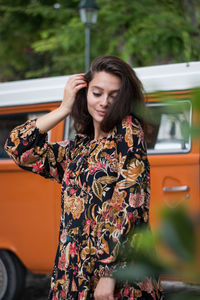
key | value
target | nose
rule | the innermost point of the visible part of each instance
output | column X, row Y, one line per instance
column 105, row 101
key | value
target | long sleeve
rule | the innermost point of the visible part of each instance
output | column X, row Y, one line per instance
column 29, row 148
column 129, row 206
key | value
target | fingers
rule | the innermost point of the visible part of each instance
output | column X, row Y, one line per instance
column 103, row 294
column 73, row 85
column 77, row 81
column 79, row 85
column 104, row 297
column 105, row 289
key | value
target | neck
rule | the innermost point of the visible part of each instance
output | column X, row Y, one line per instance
column 98, row 133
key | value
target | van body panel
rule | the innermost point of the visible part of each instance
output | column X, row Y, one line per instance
column 167, row 174
column 29, row 225
column 31, row 219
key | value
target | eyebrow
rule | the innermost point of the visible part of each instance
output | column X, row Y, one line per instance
column 98, row 87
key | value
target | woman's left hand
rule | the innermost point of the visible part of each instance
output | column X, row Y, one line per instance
column 105, row 289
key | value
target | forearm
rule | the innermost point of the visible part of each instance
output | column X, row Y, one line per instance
column 51, row 119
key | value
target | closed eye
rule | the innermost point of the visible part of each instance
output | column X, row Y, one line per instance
column 96, row 94
column 113, row 96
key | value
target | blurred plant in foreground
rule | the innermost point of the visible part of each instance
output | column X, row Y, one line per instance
column 195, row 130
column 176, row 256
column 171, row 100
column 177, row 240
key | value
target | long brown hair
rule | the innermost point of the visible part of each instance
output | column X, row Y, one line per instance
column 130, row 98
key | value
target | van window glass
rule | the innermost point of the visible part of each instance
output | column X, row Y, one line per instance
column 10, row 121
column 169, row 132
column 69, row 132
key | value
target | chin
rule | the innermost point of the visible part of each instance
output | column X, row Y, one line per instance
column 99, row 119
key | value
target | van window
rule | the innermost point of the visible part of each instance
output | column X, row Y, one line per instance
column 10, row 121
column 170, row 131
column 69, row 132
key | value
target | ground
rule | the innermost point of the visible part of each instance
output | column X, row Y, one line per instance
column 37, row 288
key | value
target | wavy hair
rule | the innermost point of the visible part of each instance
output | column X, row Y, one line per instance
column 129, row 100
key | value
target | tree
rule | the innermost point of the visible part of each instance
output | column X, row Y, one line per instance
column 40, row 38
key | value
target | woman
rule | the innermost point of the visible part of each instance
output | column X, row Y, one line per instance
column 104, row 174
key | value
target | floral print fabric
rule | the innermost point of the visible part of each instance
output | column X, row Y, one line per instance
column 105, row 193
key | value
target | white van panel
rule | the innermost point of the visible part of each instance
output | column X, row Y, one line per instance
column 170, row 77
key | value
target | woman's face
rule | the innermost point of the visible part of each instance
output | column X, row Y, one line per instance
column 102, row 90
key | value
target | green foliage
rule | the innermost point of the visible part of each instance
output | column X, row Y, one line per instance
column 184, row 296
column 175, row 239
column 195, row 130
column 176, row 244
column 173, row 106
column 177, row 232
column 139, row 252
column 37, row 39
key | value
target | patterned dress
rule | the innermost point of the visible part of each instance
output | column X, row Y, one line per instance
column 105, row 193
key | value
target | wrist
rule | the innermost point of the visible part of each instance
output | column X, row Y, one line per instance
column 63, row 111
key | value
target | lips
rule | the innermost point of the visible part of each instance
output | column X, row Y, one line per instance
column 101, row 113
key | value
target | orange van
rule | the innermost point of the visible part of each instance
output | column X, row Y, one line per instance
column 30, row 205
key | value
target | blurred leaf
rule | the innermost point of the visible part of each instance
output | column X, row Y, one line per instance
column 195, row 131
column 176, row 245
column 177, row 231
column 140, row 255
column 196, row 98
column 136, row 272
column 184, row 296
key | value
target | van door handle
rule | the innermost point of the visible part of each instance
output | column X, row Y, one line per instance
column 181, row 188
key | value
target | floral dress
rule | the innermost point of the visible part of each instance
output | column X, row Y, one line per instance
column 105, row 193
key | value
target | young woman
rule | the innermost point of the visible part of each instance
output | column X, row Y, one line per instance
column 104, row 174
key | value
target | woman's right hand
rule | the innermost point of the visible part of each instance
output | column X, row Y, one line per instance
column 48, row 121
column 74, row 84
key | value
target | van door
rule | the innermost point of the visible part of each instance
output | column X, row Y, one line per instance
column 174, row 158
